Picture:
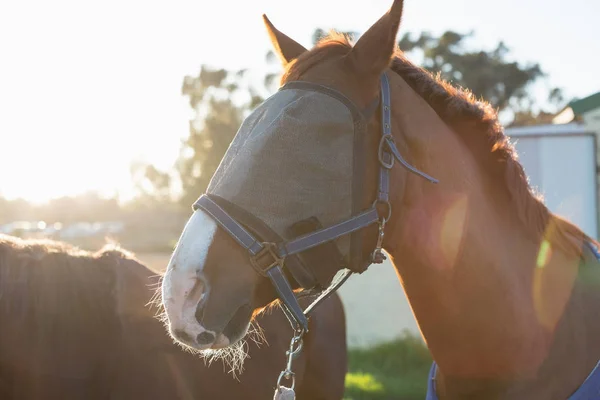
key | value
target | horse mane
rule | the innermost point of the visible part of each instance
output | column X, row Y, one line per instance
column 54, row 295
column 477, row 124
column 334, row 44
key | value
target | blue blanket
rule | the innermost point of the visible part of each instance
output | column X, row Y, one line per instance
column 589, row 390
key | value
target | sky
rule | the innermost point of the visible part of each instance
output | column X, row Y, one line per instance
column 89, row 87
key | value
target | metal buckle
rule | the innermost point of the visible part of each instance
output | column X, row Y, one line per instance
column 380, row 152
column 269, row 250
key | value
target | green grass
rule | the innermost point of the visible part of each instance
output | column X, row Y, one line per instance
column 395, row 370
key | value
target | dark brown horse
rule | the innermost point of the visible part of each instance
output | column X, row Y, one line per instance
column 506, row 294
column 77, row 325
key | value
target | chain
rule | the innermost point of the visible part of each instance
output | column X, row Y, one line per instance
column 378, row 256
column 292, row 353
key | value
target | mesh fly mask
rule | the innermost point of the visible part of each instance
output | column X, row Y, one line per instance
column 280, row 165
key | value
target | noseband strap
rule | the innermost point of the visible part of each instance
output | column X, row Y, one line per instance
column 268, row 257
column 285, row 248
column 235, row 230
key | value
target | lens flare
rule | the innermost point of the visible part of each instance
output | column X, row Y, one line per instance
column 452, row 229
column 544, row 254
column 553, row 279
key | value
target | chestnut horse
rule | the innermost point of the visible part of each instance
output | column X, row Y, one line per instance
column 76, row 325
column 506, row 294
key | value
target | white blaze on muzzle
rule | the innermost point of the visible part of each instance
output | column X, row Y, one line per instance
column 185, row 269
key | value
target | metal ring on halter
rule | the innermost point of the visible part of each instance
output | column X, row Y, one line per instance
column 388, row 207
column 287, row 375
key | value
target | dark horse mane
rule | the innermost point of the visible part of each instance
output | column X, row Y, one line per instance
column 476, row 122
column 45, row 291
column 64, row 300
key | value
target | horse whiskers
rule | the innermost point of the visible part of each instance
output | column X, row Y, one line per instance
column 161, row 314
column 156, row 299
column 233, row 357
column 256, row 334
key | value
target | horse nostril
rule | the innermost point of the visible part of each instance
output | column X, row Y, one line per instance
column 182, row 335
column 205, row 338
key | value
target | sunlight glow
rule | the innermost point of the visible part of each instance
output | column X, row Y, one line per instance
column 541, row 274
column 553, row 280
column 544, row 254
column 183, row 391
column 87, row 92
column 364, row 383
column 453, row 229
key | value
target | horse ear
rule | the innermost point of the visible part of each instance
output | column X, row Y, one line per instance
column 286, row 48
column 374, row 50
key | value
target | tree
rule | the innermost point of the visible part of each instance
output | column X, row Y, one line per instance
column 220, row 100
column 527, row 116
column 488, row 74
column 152, row 186
column 320, row 33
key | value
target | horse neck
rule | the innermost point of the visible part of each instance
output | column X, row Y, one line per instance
column 470, row 270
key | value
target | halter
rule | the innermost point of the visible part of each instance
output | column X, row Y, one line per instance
column 268, row 257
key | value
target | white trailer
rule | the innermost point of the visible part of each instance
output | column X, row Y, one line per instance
column 561, row 163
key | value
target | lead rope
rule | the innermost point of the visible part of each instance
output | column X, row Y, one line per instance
column 284, row 392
